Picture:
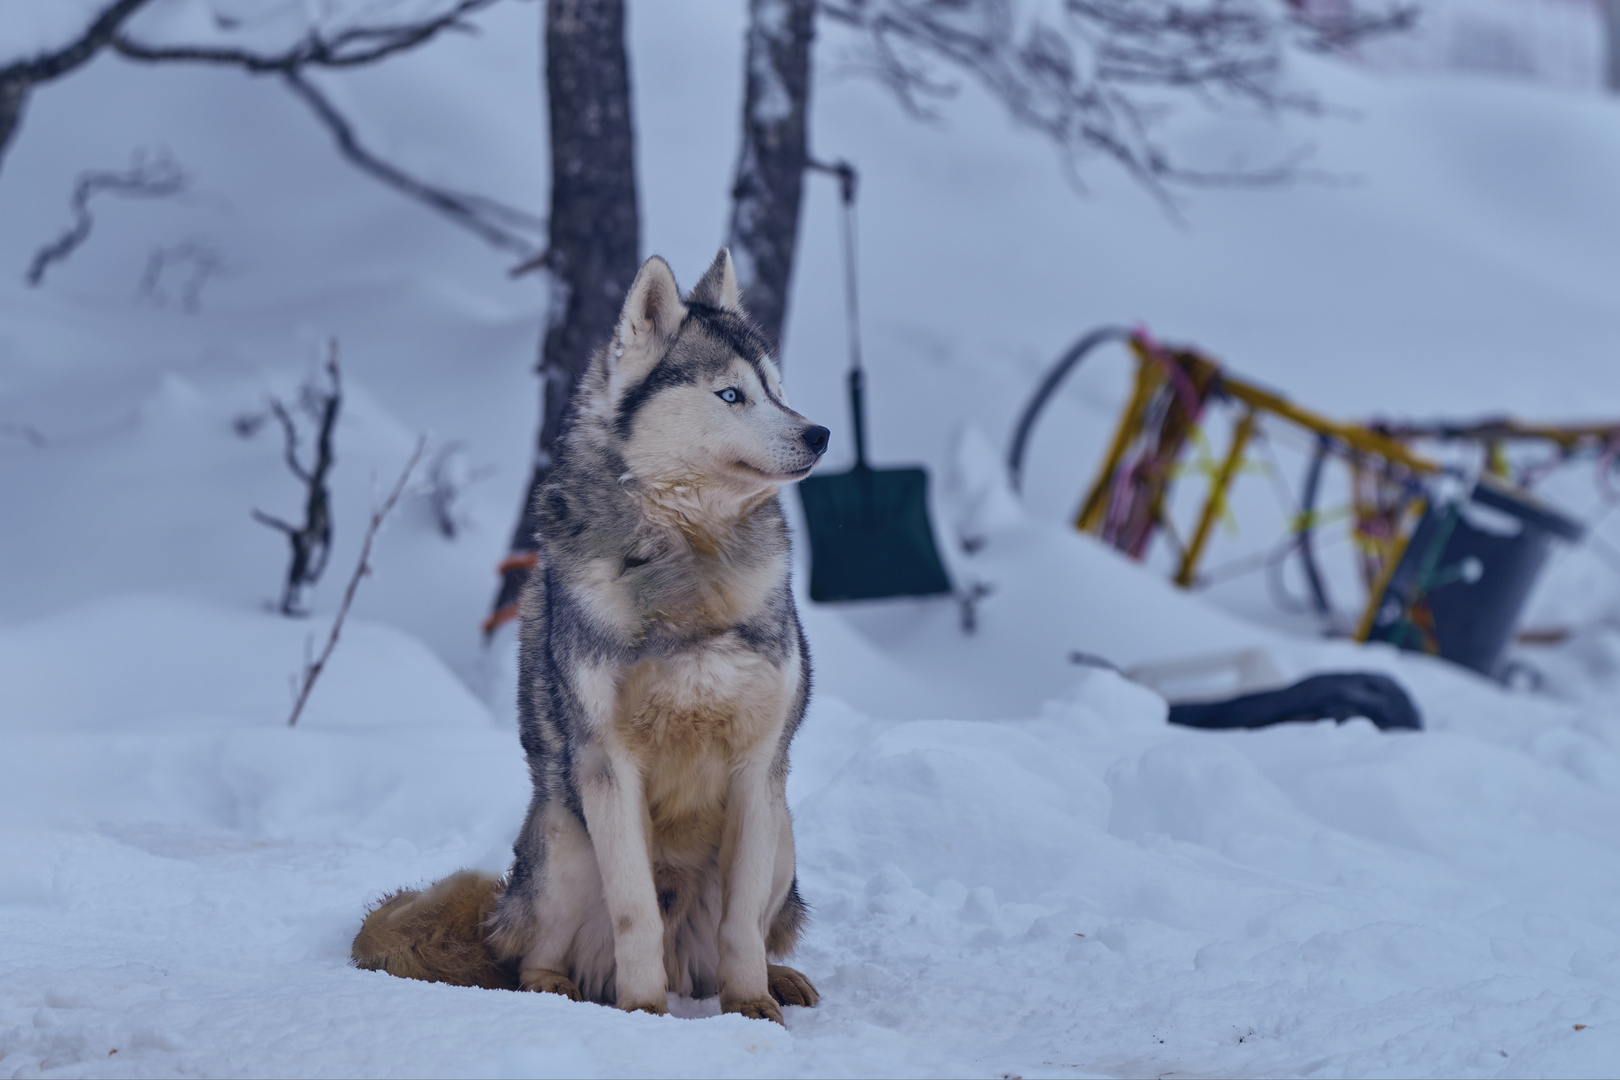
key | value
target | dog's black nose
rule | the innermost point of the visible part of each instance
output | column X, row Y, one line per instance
column 815, row 438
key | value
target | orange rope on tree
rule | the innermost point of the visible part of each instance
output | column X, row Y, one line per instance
column 518, row 560
column 521, row 560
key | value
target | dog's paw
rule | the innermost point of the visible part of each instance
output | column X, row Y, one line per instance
column 658, row 1008
column 762, row 1009
column 790, row 987
column 550, row 982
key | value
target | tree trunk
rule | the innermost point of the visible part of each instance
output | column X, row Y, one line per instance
column 770, row 168
column 1611, row 26
column 592, row 257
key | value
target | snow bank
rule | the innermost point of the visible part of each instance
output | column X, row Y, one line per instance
column 1086, row 890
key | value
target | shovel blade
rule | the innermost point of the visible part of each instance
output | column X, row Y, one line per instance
column 870, row 535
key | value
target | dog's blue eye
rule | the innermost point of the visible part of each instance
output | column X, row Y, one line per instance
column 730, row 395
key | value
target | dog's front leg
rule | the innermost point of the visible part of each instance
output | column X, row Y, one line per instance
column 616, row 817
column 748, row 861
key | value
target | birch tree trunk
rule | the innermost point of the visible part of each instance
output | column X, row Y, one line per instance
column 594, row 223
column 770, row 168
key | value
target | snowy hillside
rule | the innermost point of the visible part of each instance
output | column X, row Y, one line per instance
column 1016, row 866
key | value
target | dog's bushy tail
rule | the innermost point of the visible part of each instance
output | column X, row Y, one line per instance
column 437, row 934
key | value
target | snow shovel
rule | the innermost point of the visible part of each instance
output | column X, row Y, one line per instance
column 870, row 535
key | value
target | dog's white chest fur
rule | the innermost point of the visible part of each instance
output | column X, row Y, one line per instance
column 689, row 720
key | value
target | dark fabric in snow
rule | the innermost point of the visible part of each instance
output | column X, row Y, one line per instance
column 1320, row 697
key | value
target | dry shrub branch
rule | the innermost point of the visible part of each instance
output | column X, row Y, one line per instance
column 313, row 669
column 311, row 542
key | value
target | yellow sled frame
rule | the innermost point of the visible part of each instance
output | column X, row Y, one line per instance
column 1377, row 454
column 1366, row 447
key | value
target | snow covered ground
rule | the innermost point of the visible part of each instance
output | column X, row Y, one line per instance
column 1016, row 866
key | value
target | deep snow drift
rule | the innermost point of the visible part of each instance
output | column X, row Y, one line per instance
column 1016, row 865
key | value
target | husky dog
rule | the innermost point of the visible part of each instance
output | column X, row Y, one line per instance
column 663, row 672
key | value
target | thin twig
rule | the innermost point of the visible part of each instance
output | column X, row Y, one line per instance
column 290, row 439
column 155, row 179
column 312, row 670
column 274, row 522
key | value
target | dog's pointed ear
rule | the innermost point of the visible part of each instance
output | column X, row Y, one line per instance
column 718, row 286
column 652, row 314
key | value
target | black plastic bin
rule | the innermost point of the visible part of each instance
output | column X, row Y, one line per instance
column 1462, row 583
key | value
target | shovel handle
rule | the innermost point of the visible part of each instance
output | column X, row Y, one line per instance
column 857, row 409
column 847, row 179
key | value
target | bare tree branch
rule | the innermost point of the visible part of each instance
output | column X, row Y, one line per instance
column 274, row 522
column 494, row 222
column 52, row 65
column 505, row 227
column 1342, row 30
column 290, row 435
column 349, row 48
column 18, row 79
column 313, row 669
column 155, row 179
column 311, row 542
column 1101, row 77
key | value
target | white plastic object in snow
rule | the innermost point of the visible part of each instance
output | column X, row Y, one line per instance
column 1200, row 678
